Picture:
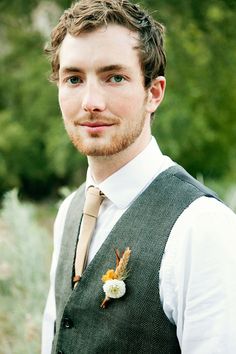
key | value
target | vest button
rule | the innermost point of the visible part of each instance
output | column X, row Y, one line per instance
column 67, row 323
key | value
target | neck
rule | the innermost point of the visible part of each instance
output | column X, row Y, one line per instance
column 104, row 166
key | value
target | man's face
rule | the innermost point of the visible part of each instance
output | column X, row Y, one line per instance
column 101, row 92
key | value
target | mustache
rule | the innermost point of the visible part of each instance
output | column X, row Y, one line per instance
column 94, row 117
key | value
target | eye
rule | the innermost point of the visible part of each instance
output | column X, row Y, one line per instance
column 74, row 80
column 117, row 79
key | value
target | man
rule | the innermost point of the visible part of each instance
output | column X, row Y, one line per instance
column 179, row 297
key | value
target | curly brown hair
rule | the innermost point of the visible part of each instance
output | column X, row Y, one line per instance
column 88, row 15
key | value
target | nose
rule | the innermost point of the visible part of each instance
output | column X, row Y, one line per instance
column 93, row 99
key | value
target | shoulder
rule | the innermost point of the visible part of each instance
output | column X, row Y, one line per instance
column 63, row 208
column 204, row 216
column 198, row 267
column 207, row 224
column 201, row 245
column 66, row 203
column 63, row 211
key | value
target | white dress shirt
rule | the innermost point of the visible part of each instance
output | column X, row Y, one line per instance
column 197, row 275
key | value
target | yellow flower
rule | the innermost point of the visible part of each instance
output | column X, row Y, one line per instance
column 110, row 275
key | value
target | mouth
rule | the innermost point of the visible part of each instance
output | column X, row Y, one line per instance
column 95, row 127
column 95, row 124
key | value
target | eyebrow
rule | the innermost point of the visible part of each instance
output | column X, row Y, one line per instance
column 104, row 69
column 71, row 69
column 114, row 67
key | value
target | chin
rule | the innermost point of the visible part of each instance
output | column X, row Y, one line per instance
column 98, row 149
column 101, row 146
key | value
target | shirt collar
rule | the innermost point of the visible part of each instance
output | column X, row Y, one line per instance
column 123, row 186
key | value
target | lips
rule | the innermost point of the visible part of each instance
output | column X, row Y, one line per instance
column 95, row 128
column 95, row 124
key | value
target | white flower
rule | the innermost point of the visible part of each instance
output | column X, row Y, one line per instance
column 114, row 288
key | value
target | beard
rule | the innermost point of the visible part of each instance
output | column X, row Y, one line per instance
column 95, row 144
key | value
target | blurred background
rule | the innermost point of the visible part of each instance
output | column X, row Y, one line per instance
column 39, row 166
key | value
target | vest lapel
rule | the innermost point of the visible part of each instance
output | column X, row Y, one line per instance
column 70, row 235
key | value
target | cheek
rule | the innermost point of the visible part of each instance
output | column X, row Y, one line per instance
column 68, row 104
column 123, row 104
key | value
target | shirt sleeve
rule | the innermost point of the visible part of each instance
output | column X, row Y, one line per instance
column 197, row 278
column 49, row 316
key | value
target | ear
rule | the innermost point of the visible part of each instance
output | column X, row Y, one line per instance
column 156, row 93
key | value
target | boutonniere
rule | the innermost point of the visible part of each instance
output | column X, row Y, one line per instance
column 114, row 285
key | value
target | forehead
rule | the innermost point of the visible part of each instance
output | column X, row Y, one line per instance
column 104, row 46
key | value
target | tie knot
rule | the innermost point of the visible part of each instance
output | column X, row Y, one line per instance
column 93, row 200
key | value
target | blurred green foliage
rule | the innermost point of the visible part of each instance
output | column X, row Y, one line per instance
column 195, row 125
column 24, row 262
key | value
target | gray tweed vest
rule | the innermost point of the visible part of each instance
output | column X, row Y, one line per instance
column 136, row 322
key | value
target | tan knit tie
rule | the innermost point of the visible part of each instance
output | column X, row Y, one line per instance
column 94, row 198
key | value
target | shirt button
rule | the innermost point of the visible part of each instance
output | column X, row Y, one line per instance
column 67, row 323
